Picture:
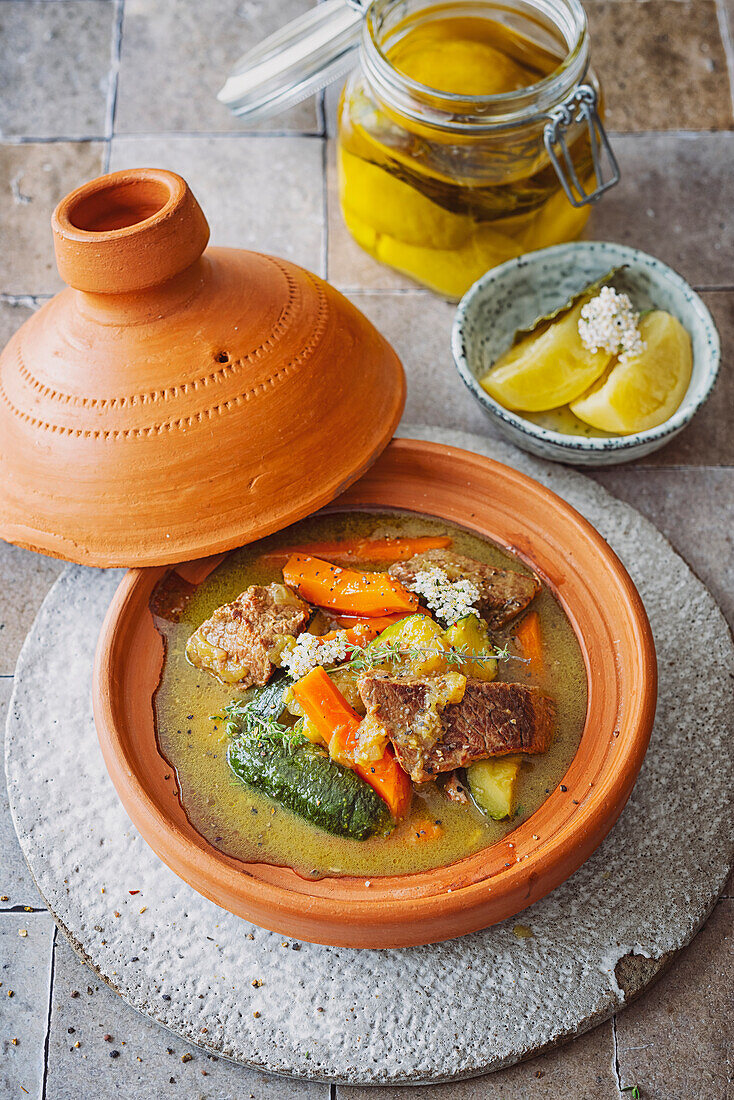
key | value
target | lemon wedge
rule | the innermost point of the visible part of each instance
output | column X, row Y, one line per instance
column 449, row 271
column 458, row 63
column 375, row 197
column 546, row 368
column 644, row 390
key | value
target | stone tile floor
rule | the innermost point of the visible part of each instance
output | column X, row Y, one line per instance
column 91, row 84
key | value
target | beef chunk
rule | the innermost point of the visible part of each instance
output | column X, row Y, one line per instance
column 503, row 593
column 237, row 643
column 492, row 719
column 455, row 790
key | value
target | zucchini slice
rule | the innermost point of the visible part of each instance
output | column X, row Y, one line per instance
column 288, row 768
column 267, row 701
column 492, row 784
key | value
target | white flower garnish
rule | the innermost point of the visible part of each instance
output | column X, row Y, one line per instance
column 310, row 651
column 449, row 600
column 610, row 322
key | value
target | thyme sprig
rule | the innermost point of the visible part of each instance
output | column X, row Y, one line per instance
column 368, row 658
column 243, row 717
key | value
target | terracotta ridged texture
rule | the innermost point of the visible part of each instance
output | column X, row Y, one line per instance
column 174, row 402
column 493, row 884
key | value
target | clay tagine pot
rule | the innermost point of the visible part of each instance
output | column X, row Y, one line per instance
column 607, row 615
column 174, row 402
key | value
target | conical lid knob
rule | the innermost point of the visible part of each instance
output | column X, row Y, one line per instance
column 175, row 402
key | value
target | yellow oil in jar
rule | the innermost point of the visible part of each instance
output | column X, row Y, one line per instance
column 439, row 205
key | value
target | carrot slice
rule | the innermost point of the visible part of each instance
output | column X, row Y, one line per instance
column 352, row 550
column 379, row 622
column 347, row 590
column 390, row 781
column 330, row 714
column 362, row 632
column 529, row 636
column 423, row 830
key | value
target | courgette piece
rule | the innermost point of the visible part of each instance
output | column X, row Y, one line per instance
column 423, row 637
column 288, row 768
column 492, row 784
column 470, row 635
column 267, row 701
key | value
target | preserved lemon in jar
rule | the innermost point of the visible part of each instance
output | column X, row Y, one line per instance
column 445, row 160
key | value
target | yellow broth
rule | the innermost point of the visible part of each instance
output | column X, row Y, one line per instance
column 245, row 824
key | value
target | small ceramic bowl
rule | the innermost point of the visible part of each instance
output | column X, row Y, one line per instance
column 607, row 615
column 513, row 295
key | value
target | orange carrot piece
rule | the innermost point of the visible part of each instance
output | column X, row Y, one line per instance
column 325, row 706
column 354, row 550
column 423, row 830
column 390, row 781
column 347, row 590
column 330, row 713
column 362, row 632
column 529, row 636
column 379, row 622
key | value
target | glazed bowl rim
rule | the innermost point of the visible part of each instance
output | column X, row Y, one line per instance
column 622, row 254
column 447, row 912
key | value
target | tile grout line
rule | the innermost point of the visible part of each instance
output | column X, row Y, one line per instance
column 345, row 288
column 686, row 468
column 19, row 297
column 47, row 1039
column 59, row 139
column 113, row 83
column 726, row 39
column 320, row 104
column 136, row 135
column 33, row 300
column 321, row 118
column 80, row 139
column 333, row 1091
column 311, row 135
column 325, row 207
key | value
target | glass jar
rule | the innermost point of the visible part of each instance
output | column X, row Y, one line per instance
column 443, row 181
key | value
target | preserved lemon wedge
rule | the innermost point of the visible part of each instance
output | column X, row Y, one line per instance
column 380, row 200
column 644, row 390
column 547, row 368
column 454, row 55
column 448, row 271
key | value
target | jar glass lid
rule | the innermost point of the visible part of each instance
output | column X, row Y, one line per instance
column 295, row 62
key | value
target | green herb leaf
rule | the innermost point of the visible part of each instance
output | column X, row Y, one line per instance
column 591, row 289
column 244, row 718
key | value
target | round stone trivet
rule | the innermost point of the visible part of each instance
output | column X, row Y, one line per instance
column 418, row 1014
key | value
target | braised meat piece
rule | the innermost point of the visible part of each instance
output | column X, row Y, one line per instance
column 503, row 593
column 492, row 719
column 455, row 790
column 238, row 642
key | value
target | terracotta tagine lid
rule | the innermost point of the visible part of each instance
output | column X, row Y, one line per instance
column 174, row 402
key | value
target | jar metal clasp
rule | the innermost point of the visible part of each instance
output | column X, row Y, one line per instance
column 580, row 106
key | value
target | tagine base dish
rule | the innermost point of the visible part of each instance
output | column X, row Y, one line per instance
column 423, row 1014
